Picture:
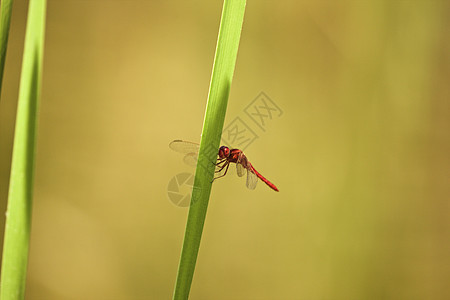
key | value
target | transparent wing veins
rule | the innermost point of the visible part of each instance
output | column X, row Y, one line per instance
column 252, row 179
column 184, row 146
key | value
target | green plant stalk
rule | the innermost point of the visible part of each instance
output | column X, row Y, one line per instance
column 5, row 20
column 222, row 75
column 18, row 215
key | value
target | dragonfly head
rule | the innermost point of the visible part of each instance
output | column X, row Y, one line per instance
column 224, row 152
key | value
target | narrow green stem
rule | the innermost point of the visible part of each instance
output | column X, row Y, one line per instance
column 5, row 20
column 18, row 215
column 222, row 75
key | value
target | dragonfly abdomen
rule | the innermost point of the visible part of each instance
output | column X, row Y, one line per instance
column 270, row 184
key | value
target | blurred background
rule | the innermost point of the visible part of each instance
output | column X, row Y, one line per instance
column 360, row 152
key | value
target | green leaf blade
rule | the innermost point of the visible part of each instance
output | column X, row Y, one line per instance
column 5, row 21
column 222, row 75
column 18, row 221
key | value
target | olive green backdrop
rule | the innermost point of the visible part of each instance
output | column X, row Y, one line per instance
column 360, row 153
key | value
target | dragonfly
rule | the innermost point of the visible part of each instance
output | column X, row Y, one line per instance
column 226, row 157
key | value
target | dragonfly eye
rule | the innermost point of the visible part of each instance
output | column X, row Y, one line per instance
column 224, row 152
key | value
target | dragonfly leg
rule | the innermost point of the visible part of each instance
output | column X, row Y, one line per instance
column 225, row 173
column 220, row 161
column 221, row 167
column 223, row 161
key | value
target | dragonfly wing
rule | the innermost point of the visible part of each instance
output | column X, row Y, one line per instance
column 252, row 180
column 184, row 146
column 191, row 159
column 240, row 170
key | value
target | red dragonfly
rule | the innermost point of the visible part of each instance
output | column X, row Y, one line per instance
column 226, row 156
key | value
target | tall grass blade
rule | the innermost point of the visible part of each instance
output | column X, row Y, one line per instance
column 223, row 69
column 5, row 20
column 18, row 215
